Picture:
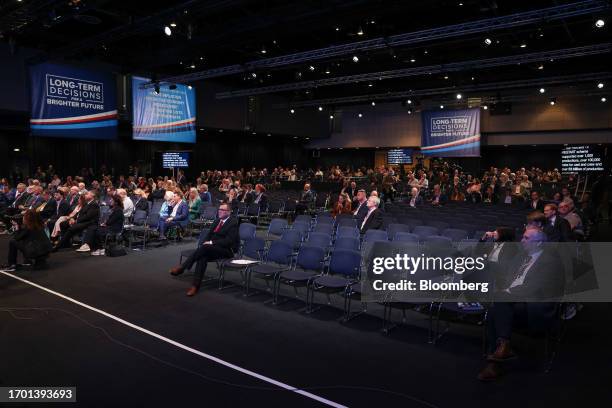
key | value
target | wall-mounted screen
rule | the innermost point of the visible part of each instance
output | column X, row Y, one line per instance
column 580, row 159
column 72, row 102
column 163, row 113
column 171, row 160
column 399, row 156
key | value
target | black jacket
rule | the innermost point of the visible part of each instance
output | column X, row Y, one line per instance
column 263, row 201
column 227, row 237
column 561, row 231
column 361, row 211
column 374, row 222
column 115, row 219
column 33, row 243
column 544, row 280
column 539, row 205
column 89, row 214
column 21, row 200
column 141, row 204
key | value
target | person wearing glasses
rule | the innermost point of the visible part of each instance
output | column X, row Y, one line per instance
column 222, row 241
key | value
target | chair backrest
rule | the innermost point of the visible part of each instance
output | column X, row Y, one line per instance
column 375, row 235
column 310, row 258
column 253, row 210
column 393, row 229
column 347, row 232
column 246, row 230
column 439, row 225
column 347, row 222
column 455, row 234
column 320, row 239
column 301, row 226
column 280, row 252
column 326, row 228
column 153, row 219
column 351, row 243
column 406, row 237
column 345, row 262
column 275, row 206
column 438, row 241
column 303, row 218
column 423, row 231
column 277, row 226
column 140, row 217
column 324, row 219
column 293, row 237
column 254, row 247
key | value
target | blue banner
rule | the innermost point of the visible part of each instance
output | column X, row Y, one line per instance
column 451, row 133
column 167, row 116
column 72, row 102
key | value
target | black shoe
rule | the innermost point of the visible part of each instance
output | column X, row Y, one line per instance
column 8, row 268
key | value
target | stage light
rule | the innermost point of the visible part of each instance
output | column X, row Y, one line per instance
column 600, row 85
column 370, row 85
column 201, row 58
column 485, row 107
column 331, row 116
column 172, row 24
column 320, row 109
column 167, row 31
column 603, row 99
column 192, row 66
column 600, row 23
column 445, row 76
column 327, row 71
column 292, row 111
column 189, row 87
column 441, row 106
column 16, row 149
column 263, row 51
column 337, row 28
column 523, row 45
column 373, row 103
column 355, row 58
column 360, row 31
column 553, row 101
column 410, row 111
column 409, row 101
column 541, row 66
column 254, row 75
column 459, row 96
column 488, row 41
column 312, row 68
column 412, row 60
column 156, row 89
column 542, row 90
column 360, row 115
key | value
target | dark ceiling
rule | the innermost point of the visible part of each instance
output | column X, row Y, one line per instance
column 213, row 34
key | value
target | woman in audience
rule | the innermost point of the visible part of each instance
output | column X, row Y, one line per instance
column 166, row 208
column 113, row 225
column 456, row 190
column 141, row 202
column 342, row 206
column 194, row 204
column 30, row 239
column 72, row 216
column 128, row 204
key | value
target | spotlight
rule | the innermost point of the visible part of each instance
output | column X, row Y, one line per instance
column 292, row 111
column 16, row 149
column 445, row 76
column 603, row 99
column 459, row 96
column 441, row 106
column 553, row 101
column 312, row 68
column 327, row 71
column 331, row 116
column 192, row 66
column 263, row 51
column 409, row 101
column 254, row 75
column 410, row 111
column 320, row 109
column 488, row 41
column 337, row 28
column 542, row 90
column 189, row 87
column 168, row 31
column 373, row 103
column 355, row 58
column 485, row 107
column 523, row 45
column 370, row 85
column 360, row 31
column 412, row 60
column 541, row 66
column 600, row 23
column 360, row 115
column 600, row 85
column 172, row 24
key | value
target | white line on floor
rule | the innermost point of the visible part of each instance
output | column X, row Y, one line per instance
column 181, row 346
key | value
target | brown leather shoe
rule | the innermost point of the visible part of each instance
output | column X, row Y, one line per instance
column 192, row 291
column 502, row 353
column 177, row 270
column 491, row 372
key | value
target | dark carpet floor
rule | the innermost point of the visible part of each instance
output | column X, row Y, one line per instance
column 51, row 341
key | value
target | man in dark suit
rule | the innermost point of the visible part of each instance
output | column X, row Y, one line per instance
column 373, row 219
column 351, row 190
column 536, row 275
column 260, row 197
column 53, row 210
column 222, row 241
column 89, row 215
column 306, row 198
column 535, row 204
column 438, row 197
column 557, row 229
column 415, row 199
column 360, row 206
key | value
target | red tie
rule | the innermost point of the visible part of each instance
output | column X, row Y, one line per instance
column 219, row 225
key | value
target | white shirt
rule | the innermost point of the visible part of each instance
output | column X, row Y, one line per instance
column 128, row 207
column 175, row 209
column 494, row 255
column 358, row 208
column 521, row 279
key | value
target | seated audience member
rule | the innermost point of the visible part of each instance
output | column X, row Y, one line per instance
column 194, row 204
column 205, row 196
column 246, row 196
column 536, row 274
column 489, row 196
column 166, row 208
column 159, row 192
column 350, row 190
column 95, row 235
column 556, row 228
column 567, row 211
column 260, row 197
column 88, row 215
column 178, row 216
column 342, row 206
column 231, row 197
column 306, row 199
column 360, row 206
column 30, row 239
column 73, row 197
column 456, row 190
column 19, row 200
column 438, row 198
column 373, row 219
column 536, row 220
column 415, row 199
column 535, row 203
column 128, row 204
column 222, row 241
column 141, row 202
column 556, row 198
column 35, row 200
column 60, row 209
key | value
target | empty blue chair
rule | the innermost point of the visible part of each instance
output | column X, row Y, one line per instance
column 424, row 231
column 393, row 229
column 346, row 222
column 320, row 239
column 301, row 226
column 293, row 237
column 246, row 230
column 325, row 228
column 455, row 234
column 308, row 264
column 439, row 225
column 252, row 250
column 351, row 243
column 347, row 232
column 406, row 237
column 344, row 267
column 303, row 218
column 276, row 228
column 277, row 260
column 375, row 235
column 438, row 241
